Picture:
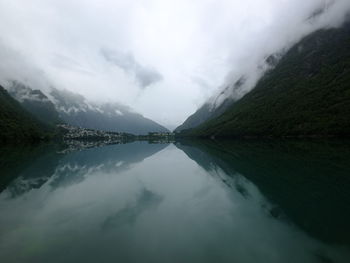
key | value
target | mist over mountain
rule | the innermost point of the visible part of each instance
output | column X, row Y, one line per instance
column 76, row 110
column 256, row 167
column 62, row 106
column 306, row 94
column 36, row 102
column 215, row 106
column 16, row 123
column 264, row 57
column 143, row 56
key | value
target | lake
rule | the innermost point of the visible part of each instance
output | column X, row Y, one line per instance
column 189, row 201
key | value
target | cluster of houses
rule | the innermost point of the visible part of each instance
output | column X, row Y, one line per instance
column 161, row 134
column 78, row 137
column 77, row 133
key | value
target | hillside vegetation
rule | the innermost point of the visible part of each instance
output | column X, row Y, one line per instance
column 307, row 94
column 16, row 124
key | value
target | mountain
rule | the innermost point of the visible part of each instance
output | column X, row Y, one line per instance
column 219, row 103
column 75, row 110
column 17, row 124
column 62, row 106
column 212, row 110
column 36, row 102
column 306, row 94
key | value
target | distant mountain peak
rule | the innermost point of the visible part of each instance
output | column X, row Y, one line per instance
column 23, row 92
column 65, row 106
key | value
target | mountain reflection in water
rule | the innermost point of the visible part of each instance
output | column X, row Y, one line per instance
column 192, row 201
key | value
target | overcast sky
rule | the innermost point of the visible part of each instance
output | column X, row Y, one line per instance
column 163, row 58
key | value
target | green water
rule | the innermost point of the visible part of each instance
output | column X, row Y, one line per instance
column 185, row 202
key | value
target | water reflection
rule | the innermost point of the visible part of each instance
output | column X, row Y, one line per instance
column 193, row 202
column 32, row 166
column 128, row 215
column 310, row 181
column 28, row 168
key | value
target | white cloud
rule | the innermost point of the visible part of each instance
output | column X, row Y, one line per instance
column 145, row 76
column 186, row 48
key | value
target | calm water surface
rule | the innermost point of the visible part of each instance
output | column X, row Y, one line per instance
column 183, row 202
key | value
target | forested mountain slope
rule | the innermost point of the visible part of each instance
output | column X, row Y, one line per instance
column 17, row 124
column 306, row 94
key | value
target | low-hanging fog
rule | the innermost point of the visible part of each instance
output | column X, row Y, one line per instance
column 163, row 58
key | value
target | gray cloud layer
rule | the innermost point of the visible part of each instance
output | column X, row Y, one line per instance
column 183, row 51
column 145, row 76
